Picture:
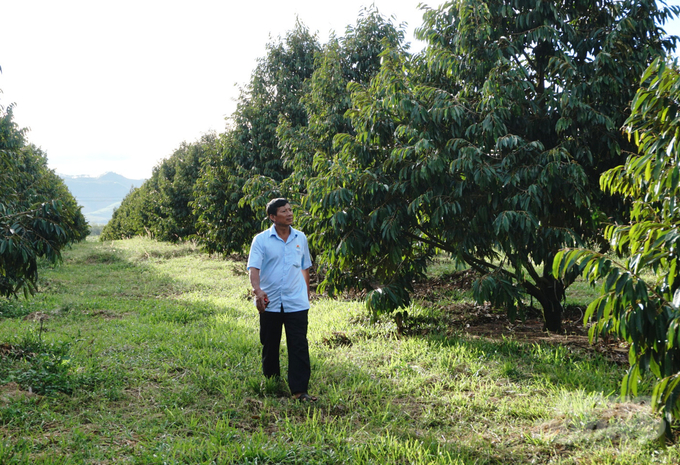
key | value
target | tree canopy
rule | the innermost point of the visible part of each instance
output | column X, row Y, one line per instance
column 640, row 292
column 487, row 146
column 353, row 57
column 249, row 148
column 38, row 214
column 288, row 114
column 161, row 206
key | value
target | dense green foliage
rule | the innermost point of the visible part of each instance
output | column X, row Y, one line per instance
column 488, row 145
column 38, row 214
column 288, row 114
column 174, row 189
column 131, row 218
column 161, row 206
column 643, row 309
column 250, row 148
column 306, row 149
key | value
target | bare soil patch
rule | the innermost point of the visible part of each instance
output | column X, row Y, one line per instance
column 37, row 316
column 488, row 322
column 12, row 391
column 107, row 314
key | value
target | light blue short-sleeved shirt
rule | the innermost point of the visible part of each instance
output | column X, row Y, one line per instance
column 281, row 264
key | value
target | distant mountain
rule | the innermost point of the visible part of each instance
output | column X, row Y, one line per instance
column 100, row 195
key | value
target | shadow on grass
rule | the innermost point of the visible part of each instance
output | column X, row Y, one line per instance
column 187, row 374
column 126, row 325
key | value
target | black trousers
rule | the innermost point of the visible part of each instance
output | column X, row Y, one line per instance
column 299, row 368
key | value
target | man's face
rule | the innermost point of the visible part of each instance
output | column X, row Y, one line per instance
column 284, row 216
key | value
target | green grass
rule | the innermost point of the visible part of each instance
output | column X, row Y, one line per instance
column 147, row 353
column 580, row 293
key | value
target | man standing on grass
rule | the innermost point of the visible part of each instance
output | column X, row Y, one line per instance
column 278, row 266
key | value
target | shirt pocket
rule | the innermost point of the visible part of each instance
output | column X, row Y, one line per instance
column 297, row 257
column 294, row 257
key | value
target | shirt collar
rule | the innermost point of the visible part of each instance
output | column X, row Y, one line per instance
column 272, row 232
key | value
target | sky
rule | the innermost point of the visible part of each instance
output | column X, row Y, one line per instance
column 119, row 85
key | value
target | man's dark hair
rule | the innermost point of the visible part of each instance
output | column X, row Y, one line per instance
column 273, row 205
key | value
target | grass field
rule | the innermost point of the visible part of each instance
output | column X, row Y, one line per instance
column 148, row 353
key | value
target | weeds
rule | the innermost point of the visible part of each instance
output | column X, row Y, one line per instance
column 45, row 368
column 153, row 357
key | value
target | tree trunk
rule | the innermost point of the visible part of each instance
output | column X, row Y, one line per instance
column 549, row 293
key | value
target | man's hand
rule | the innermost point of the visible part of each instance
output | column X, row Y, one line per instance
column 261, row 300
